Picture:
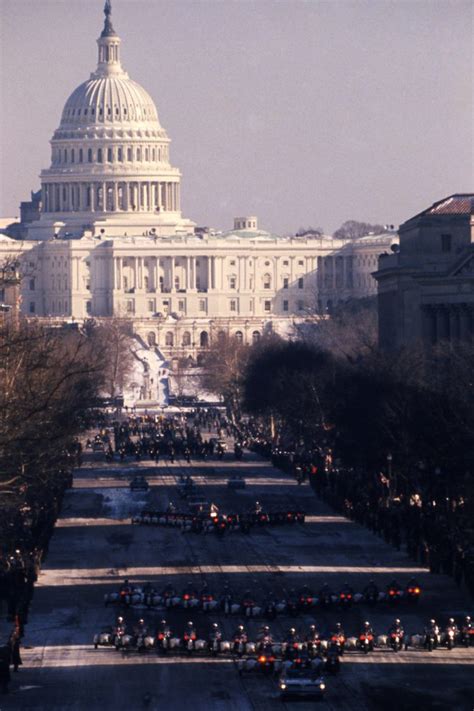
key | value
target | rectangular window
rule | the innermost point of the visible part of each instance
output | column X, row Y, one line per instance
column 300, row 305
column 285, row 282
column 446, row 243
column 181, row 305
column 251, row 305
column 32, row 284
column 2, row 295
column 130, row 306
column 202, row 304
column 232, row 282
column 285, row 306
column 267, row 306
column 32, row 307
column 233, row 305
column 151, row 305
column 89, row 307
column 300, row 283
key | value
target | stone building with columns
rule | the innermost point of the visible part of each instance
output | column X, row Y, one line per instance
column 110, row 240
column 426, row 289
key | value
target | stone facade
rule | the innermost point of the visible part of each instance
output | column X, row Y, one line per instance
column 426, row 290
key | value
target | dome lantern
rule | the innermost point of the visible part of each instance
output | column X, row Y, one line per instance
column 109, row 47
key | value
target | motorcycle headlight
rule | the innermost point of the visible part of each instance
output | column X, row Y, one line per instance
column 322, row 686
column 282, row 685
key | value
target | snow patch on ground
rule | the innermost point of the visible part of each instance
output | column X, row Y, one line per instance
column 148, row 380
column 122, row 503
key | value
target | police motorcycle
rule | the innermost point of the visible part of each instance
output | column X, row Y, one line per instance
column 467, row 632
column 338, row 639
column 228, row 604
column 292, row 646
column 371, row 593
column 365, row 640
column 189, row 639
column 346, row 596
column 432, row 636
column 396, row 635
column 163, row 637
column 249, row 606
column 306, row 598
column 240, row 641
column 170, row 597
column 207, row 600
column 189, row 597
column 326, row 596
column 451, row 634
column 313, row 642
column 216, row 644
column 143, row 640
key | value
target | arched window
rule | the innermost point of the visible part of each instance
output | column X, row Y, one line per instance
column 239, row 336
column 151, row 338
column 99, row 155
column 65, row 155
column 120, row 155
column 81, row 155
column 169, row 338
column 139, row 154
column 109, row 155
column 186, row 338
column 73, row 155
column 204, row 339
column 221, row 336
column 153, row 155
column 176, row 283
column 255, row 336
column 89, row 155
column 267, row 281
column 147, row 154
column 129, row 154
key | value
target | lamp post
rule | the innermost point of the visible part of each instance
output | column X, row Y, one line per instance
column 389, row 472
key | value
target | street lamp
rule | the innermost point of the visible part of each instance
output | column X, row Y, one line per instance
column 389, row 472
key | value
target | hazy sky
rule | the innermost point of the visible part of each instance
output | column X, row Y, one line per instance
column 303, row 113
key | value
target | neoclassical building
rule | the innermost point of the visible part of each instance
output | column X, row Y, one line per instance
column 426, row 288
column 110, row 240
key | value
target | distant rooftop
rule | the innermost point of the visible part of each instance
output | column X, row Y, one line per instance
column 457, row 204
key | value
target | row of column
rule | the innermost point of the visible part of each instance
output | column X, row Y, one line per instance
column 448, row 322
column 335, row 272
column 117, row 196
column 180, row 272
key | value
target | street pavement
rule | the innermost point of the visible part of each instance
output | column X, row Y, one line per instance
column 95, row 547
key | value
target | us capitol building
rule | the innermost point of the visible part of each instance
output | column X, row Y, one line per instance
column 109, row 238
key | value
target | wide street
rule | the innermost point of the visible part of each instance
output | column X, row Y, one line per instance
column 95, row 547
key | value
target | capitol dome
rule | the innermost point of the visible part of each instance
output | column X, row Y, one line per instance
column 115, row 99
column 110, row 155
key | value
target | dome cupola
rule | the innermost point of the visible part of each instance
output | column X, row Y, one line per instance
column 110, row 155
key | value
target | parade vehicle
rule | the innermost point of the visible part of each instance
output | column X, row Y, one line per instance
column 301, row 682
column 139, row 483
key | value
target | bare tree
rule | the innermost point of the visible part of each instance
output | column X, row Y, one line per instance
column 114, row 338
column 352, row 229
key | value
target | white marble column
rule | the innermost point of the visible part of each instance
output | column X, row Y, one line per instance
column 171, row 272
column 115, row 196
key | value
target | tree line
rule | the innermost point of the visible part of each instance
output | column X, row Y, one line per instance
column 332, row 388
